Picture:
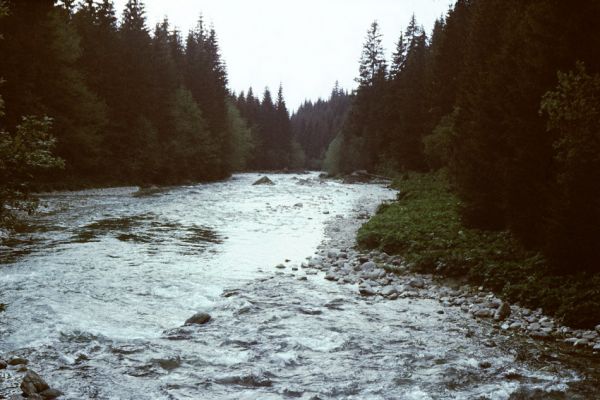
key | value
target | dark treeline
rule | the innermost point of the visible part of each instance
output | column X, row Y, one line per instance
column 315, row 125
column 504, row 95
column 274, row 148
column 128, row 104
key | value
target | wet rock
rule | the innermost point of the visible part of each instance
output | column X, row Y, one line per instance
column 331, row 276
column 368, row 266
column 22, row 368
column 302, row 278
column 387, row 291
column 264, row 181
column 229, row 293
column 169, row 363
column 280, row 266
column 198, row 319
column 32, row 384
column 17, row 361
column 332, row 254
column 3, row 364
column 373, row 274
column 417, row 282
column 502, row 312
column 366, row 290
column 485, row 364
column 248, row 381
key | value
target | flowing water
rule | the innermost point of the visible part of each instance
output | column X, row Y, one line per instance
column 98, row 291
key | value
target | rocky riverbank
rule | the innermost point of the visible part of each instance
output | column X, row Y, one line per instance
column 378, row 274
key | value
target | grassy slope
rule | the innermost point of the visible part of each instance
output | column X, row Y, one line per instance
column 424, row 227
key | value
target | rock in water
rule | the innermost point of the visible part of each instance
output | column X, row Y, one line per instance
column 33, row 384
column 502, row 312
column 198, row 319
column 17, row 361
column 264, row 181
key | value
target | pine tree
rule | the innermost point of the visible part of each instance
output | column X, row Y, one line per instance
column 373, row 65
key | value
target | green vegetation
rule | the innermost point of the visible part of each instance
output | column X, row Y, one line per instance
column 424, row 227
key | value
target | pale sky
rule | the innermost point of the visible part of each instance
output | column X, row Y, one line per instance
column 305, row 44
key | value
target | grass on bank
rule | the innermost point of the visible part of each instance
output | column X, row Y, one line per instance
column 423, row 226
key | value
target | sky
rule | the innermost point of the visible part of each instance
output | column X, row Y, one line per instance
column 306, row 45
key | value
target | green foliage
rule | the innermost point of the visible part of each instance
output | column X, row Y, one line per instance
column 243, row 142
column 315, row 125
column 424, row 227
column 24, row 155
column 297, row 156
column 438, row 145
column 331, row 163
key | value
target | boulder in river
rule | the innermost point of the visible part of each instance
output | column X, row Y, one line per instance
column 199, row 318
column 264, row 181
column 33, row 384
column 3, row 364
column 17, row 361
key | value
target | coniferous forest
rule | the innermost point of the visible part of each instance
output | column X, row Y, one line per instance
column 131, row 104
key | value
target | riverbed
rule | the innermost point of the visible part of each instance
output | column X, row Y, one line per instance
column 98, row 290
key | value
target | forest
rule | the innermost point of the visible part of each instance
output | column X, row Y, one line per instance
column 504, row 97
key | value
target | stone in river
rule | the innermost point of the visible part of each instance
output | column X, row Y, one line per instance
column 3, row 364
column 33, row 384
column 331, row 276
column 366, row 290
column 389, row 290
column 264, row 181
column 198, row 319
column 17, row 361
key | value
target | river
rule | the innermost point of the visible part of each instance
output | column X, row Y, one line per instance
column 98, row 290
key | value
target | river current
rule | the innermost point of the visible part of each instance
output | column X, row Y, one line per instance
column 99, row 289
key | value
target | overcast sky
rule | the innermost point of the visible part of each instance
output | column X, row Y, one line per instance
column 305, row 44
